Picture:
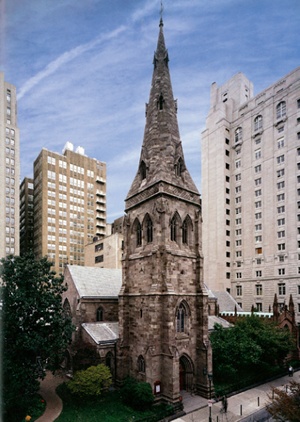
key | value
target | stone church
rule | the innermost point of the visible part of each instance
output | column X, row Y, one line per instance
column 162, row 333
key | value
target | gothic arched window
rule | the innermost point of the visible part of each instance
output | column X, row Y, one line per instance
column 258, row 123
column 181, row 318
column 281, row 110
column 185, row 236
column 174, row 227
column 99, row 315
column 141, row 364
column 138, row 232
column 67, row 308
column 187, row 230
column 149, row 229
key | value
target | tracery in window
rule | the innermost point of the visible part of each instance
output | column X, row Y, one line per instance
column 149, row 229
column 174, row 226
column 182, row 317
column 138, row 232
column 187, row 228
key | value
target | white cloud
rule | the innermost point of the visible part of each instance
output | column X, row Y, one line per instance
column 66, row 57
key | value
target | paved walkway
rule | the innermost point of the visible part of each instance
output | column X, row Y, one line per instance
column 53, row 402
column 196, row 408
column 239, row 406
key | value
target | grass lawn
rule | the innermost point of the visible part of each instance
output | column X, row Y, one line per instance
column 106, row 408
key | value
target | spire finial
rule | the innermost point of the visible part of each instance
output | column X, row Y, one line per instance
column 161, row 11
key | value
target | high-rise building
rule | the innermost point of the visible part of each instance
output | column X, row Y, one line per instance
column 69, row 204
column 26, row 215
column 251, row 192
column 9, row 170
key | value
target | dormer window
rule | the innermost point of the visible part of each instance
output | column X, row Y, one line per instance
column 143, row 170
column 179, row 167
column 160, row 102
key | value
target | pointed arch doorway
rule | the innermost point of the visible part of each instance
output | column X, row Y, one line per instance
column 185, row 373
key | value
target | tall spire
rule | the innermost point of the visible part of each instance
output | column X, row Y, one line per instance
column 162, row 155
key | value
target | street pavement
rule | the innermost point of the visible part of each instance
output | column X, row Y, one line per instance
column 247, row 406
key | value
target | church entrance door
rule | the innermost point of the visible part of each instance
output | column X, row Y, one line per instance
column 185, row 373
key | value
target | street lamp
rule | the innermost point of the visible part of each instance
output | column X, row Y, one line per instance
column 210, row 376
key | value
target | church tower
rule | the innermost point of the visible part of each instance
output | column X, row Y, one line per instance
column 163, row 315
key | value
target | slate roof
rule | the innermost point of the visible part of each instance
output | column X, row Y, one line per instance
column 102, row 332
column 225, row 301
column 96, row 282
column 212, row 320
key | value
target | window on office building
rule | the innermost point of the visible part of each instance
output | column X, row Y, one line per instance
column 281, row 110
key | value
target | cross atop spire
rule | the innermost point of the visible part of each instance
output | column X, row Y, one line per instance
column 161, row 11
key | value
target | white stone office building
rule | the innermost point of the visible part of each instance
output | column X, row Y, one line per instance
column 251, row 192
column 9, row 170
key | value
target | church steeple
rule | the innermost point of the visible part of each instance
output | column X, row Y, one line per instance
column 163, row 309
column 162, row 158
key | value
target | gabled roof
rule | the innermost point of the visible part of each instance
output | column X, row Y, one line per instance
column 94, row 282
column 225, row 301
column 213, row 319
column 102, row 332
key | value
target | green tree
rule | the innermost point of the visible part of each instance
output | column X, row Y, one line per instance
column 36, row 330
column 252, row 345
column 91, row 381
column 284, row 404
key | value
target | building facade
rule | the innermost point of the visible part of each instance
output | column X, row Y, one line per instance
column 69, row 205
column 26, row 215
column 251, row 192
column 9, row 170
column 163, row 303
column 106, row 252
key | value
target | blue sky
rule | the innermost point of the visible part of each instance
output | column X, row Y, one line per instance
column 83, row 70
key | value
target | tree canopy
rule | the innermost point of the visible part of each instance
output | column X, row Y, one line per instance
column 284, row 403
column 252, row 345
column 36, row 330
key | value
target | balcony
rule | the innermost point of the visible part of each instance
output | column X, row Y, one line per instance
column 100, row 180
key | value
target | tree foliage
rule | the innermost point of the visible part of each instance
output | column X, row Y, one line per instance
column 284, row 405
column 91, row 381
column 252, row 345
column 36, row 330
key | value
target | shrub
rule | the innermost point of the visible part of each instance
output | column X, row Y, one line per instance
column 137, row 394
column 91, row 382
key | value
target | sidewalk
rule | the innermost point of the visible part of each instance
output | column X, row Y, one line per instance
column 53, row 402
column 240, row 405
